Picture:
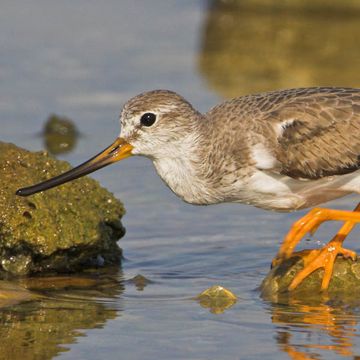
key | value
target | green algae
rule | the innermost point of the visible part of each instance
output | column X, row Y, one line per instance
column 345, row 280
column 62, row 229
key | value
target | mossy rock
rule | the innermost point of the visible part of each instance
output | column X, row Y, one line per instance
column 345, row 280
column 217, row 299
column 63, row 229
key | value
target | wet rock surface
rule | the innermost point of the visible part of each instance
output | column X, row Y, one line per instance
column 63, row 229
column 345, row 280
column 217, row 299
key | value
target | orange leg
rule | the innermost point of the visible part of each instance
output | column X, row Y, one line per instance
column 319, row 258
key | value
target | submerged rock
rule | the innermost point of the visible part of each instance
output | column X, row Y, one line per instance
column 345, row 280
column 140, row 282
column 62, row 229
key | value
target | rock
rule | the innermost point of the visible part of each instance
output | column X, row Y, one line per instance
column 345, row 280
column 63, row 229
column 217, row 299
column 60, row 134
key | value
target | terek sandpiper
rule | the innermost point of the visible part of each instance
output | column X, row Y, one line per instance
column 283, row 150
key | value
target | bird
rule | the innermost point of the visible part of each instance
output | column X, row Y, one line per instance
column 283, row 150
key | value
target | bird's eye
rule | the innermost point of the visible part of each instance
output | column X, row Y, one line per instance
column 147, row 119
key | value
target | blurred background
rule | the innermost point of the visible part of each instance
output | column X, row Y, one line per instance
column 66, row 69
column 85, row 60
column 250, row 46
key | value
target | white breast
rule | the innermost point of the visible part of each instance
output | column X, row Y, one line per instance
column 180, row 175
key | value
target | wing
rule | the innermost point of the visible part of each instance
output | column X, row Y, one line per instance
column 318, row 133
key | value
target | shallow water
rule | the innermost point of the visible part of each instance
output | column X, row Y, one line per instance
column 83, row 60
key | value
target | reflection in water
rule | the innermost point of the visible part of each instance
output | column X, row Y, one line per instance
column 310, row 329
column 11, row 294
column 67, row 306
column 248, row 48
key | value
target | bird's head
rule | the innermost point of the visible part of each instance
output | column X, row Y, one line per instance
column 153, row 124
column 156, row 123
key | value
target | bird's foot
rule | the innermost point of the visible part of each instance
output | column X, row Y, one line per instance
column 310, row 223
column 321, row 258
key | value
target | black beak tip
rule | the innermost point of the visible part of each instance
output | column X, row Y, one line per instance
column 21, row 192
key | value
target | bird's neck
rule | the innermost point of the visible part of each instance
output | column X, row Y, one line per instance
column 179, row 167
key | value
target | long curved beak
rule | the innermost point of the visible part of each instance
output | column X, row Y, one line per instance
column 118, row 150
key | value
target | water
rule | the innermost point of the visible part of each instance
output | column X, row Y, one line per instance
column 84, row 60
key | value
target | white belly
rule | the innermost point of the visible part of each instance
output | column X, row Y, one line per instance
column 282, row 193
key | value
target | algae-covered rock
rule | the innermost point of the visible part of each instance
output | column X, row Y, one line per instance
column 345, row 279
column 217, row 299
column 61, row 229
